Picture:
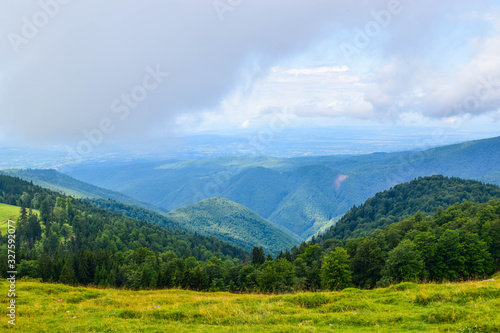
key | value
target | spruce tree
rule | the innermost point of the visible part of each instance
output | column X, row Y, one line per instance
column 68, row 275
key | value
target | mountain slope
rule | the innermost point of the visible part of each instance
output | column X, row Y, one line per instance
column 233, row 223
column 97, row 229
column 479, row 160
column 311, row 200
column 302, row 194
column 8, row 212
column 58, row 181
column 136, row 212
column 424, row 195
column 260, row 189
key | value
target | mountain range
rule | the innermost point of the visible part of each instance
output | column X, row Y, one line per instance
column 305, row 195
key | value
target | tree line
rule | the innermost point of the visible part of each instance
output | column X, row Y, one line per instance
column 66, row 240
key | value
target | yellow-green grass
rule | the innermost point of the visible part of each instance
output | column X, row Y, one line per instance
column 7, row 212
column 407, row 307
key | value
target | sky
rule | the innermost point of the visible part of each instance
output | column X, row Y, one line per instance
column 74, row 71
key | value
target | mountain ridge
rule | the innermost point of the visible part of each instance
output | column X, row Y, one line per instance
column 276, row 190
column 55, row 180
column 233, row 223
column 424, row 195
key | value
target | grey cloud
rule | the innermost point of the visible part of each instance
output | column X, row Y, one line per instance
column 89, row 54
column 66, row 78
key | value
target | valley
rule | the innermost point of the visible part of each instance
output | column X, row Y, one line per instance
column 97, row 254
column 304, row 194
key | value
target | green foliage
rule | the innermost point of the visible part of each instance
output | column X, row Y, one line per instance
column 426, row 195
column 367, row 263
column 136, row 212
column 258, row 256
column 335, row 272
column 306, row 194
column 82, row 244
column 403, row 263
column 68, row 275
column 60, row 182
column 78, row 243
column 232, row 223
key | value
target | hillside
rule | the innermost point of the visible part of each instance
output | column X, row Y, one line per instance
column 304, row 194
column 136, row 212
column 88, row 245
column 425, row 195
column 7, row 212
column 233, row 223
column 221, row 218
column 459, row 243
column 58, row 181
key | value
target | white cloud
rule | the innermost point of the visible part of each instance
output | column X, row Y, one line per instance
column 310, row 71
column 264, row 56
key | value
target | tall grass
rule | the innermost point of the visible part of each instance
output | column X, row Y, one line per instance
column 450, row 307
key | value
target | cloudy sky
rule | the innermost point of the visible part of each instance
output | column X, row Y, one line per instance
column 134, row 69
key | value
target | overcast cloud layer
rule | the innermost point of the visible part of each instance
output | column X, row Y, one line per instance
column 230, row 62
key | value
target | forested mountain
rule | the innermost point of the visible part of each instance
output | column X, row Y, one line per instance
column 136, row 212
column 232, row 223
column 425, row 195
column 222, row 218
column 73, row 241
column 461, row 242
column 58, row 181
column 302, row 194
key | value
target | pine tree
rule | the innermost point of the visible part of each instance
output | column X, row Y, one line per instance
column 23, row 218
column 70, row 209
column 68, row 275
column 83, row 274
column 34, row 231
column 258, row 256
column 45, row 211
column 198, row 282
column 102, row 277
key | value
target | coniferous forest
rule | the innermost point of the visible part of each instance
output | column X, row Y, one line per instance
column 68, row 240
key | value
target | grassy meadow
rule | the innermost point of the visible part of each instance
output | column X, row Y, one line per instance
column 7, row 212
column 450, row 307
